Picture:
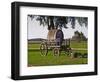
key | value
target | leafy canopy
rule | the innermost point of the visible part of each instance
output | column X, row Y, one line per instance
column 59, row 21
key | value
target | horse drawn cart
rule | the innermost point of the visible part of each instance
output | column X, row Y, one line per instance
column 55, row 41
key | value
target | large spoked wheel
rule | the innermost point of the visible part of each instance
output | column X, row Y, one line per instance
column 43, row 49
column 56, row 51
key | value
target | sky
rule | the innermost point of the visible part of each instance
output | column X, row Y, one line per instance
column 37, row 31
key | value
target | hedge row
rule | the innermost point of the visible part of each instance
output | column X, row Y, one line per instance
column 80, row 55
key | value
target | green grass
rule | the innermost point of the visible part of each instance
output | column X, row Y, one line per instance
column 82, row 44
column 35, row 58
column 36, row 45
column 80, row 51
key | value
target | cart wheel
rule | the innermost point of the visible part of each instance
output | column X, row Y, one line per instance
column 56, row 51
column 69, row 50
column 43, row 49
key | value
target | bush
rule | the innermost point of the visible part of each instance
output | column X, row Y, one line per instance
column 80, row 55
column 85, row 55
column 77, row 55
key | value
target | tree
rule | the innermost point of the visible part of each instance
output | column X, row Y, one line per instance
column 79, row 36
column 53, row 22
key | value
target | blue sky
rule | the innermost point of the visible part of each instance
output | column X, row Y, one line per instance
column 37, row 31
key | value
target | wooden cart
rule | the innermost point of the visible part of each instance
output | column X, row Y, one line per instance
column 55, row 41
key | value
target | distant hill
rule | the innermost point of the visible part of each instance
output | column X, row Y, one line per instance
column 36, row 39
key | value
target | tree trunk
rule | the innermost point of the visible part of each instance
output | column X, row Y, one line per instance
column 50, row 22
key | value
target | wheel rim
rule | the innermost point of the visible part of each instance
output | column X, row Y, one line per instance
column 69, row 51
column 43, row 49
column 56, row 52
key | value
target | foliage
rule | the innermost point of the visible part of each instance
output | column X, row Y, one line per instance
column 79, row 36
column 59, row 21
column 77, row 55
column 85, row 55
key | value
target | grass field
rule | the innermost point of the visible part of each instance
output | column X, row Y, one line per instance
column 35, row 58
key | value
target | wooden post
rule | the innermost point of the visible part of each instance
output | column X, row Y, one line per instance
column 69, row 42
